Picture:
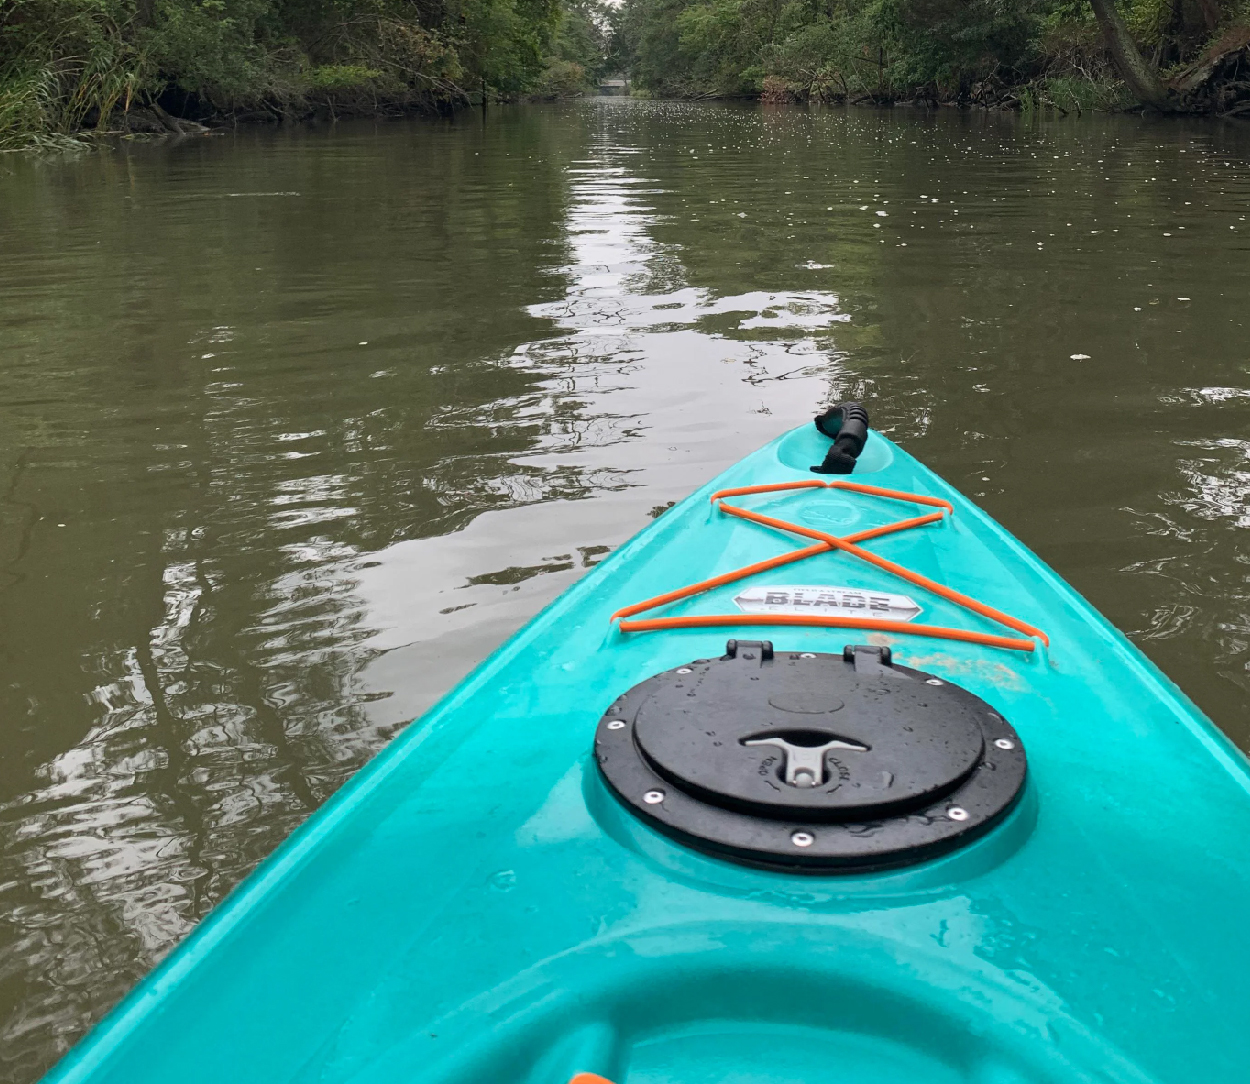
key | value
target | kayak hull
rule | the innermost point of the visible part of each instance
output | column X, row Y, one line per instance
column 477, row 905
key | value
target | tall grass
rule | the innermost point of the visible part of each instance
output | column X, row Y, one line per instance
column 62, row 64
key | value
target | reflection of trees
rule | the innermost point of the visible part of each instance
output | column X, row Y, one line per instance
column 671, row 268
column 180, row 657
column 788, row 185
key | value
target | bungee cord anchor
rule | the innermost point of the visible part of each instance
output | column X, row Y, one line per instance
column 823, row 542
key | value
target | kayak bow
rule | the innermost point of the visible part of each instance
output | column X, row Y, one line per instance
column 825, row 857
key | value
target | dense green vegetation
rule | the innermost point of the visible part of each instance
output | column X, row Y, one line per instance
column 70, row 64
column 163, row 65
column 999, row 52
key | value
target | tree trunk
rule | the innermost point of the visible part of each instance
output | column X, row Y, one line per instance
column 1210, row 13
column 1141, row 78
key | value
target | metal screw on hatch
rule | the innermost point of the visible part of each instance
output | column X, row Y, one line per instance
column 802, row 839
column 616, row 724
column 1004, row 743
column 957, row 813
column 685, row 670
column 933, row 681
column 653, row 797
column 807, row 655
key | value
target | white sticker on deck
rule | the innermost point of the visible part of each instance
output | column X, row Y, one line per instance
column 824, row 600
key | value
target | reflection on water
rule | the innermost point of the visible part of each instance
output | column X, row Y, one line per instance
column 294, row 428
column 640, row 400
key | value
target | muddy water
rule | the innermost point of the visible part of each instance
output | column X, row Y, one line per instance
column 296, row 427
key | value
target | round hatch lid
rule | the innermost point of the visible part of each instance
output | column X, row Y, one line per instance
column 813, row 761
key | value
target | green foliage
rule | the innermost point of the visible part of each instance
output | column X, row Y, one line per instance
column 69, row 63
column 1022, row 51
column 331, row 77
column 212, row 47
column 583, row 36
column 579, row 52
column 1082, row 94
column 830, row 48
column 561, row 79
column 60, row 63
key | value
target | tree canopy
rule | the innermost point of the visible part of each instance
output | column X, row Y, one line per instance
column 70, row 64
column 1060, row 52
column 66, row 64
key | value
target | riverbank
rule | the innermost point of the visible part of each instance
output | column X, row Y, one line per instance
column 1061, row 96
column 1171, row 56
column 145, row 67
column 72, row 70
column 154, row 122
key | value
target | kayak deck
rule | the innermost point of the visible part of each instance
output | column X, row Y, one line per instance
column 863, row 616
column 476, row 906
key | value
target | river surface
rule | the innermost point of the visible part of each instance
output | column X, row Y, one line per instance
column 295, row 427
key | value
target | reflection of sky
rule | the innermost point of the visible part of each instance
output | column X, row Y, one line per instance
column 652, row 387
column 618, row 272
column 1219, row 484
column 210, row 743
column 1198, row 585
column 199, row 763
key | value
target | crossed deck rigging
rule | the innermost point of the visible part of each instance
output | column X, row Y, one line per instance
column 826, row 543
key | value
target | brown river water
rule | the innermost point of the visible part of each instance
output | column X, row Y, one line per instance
column 297, row 426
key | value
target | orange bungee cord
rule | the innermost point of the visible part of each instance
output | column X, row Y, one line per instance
column 825, row 543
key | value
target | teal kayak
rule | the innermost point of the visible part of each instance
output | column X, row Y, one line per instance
column 899, row 808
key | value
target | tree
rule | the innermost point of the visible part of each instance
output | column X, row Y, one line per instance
column 1140, row 76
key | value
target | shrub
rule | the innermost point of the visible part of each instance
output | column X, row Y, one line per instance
column 561, row 79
